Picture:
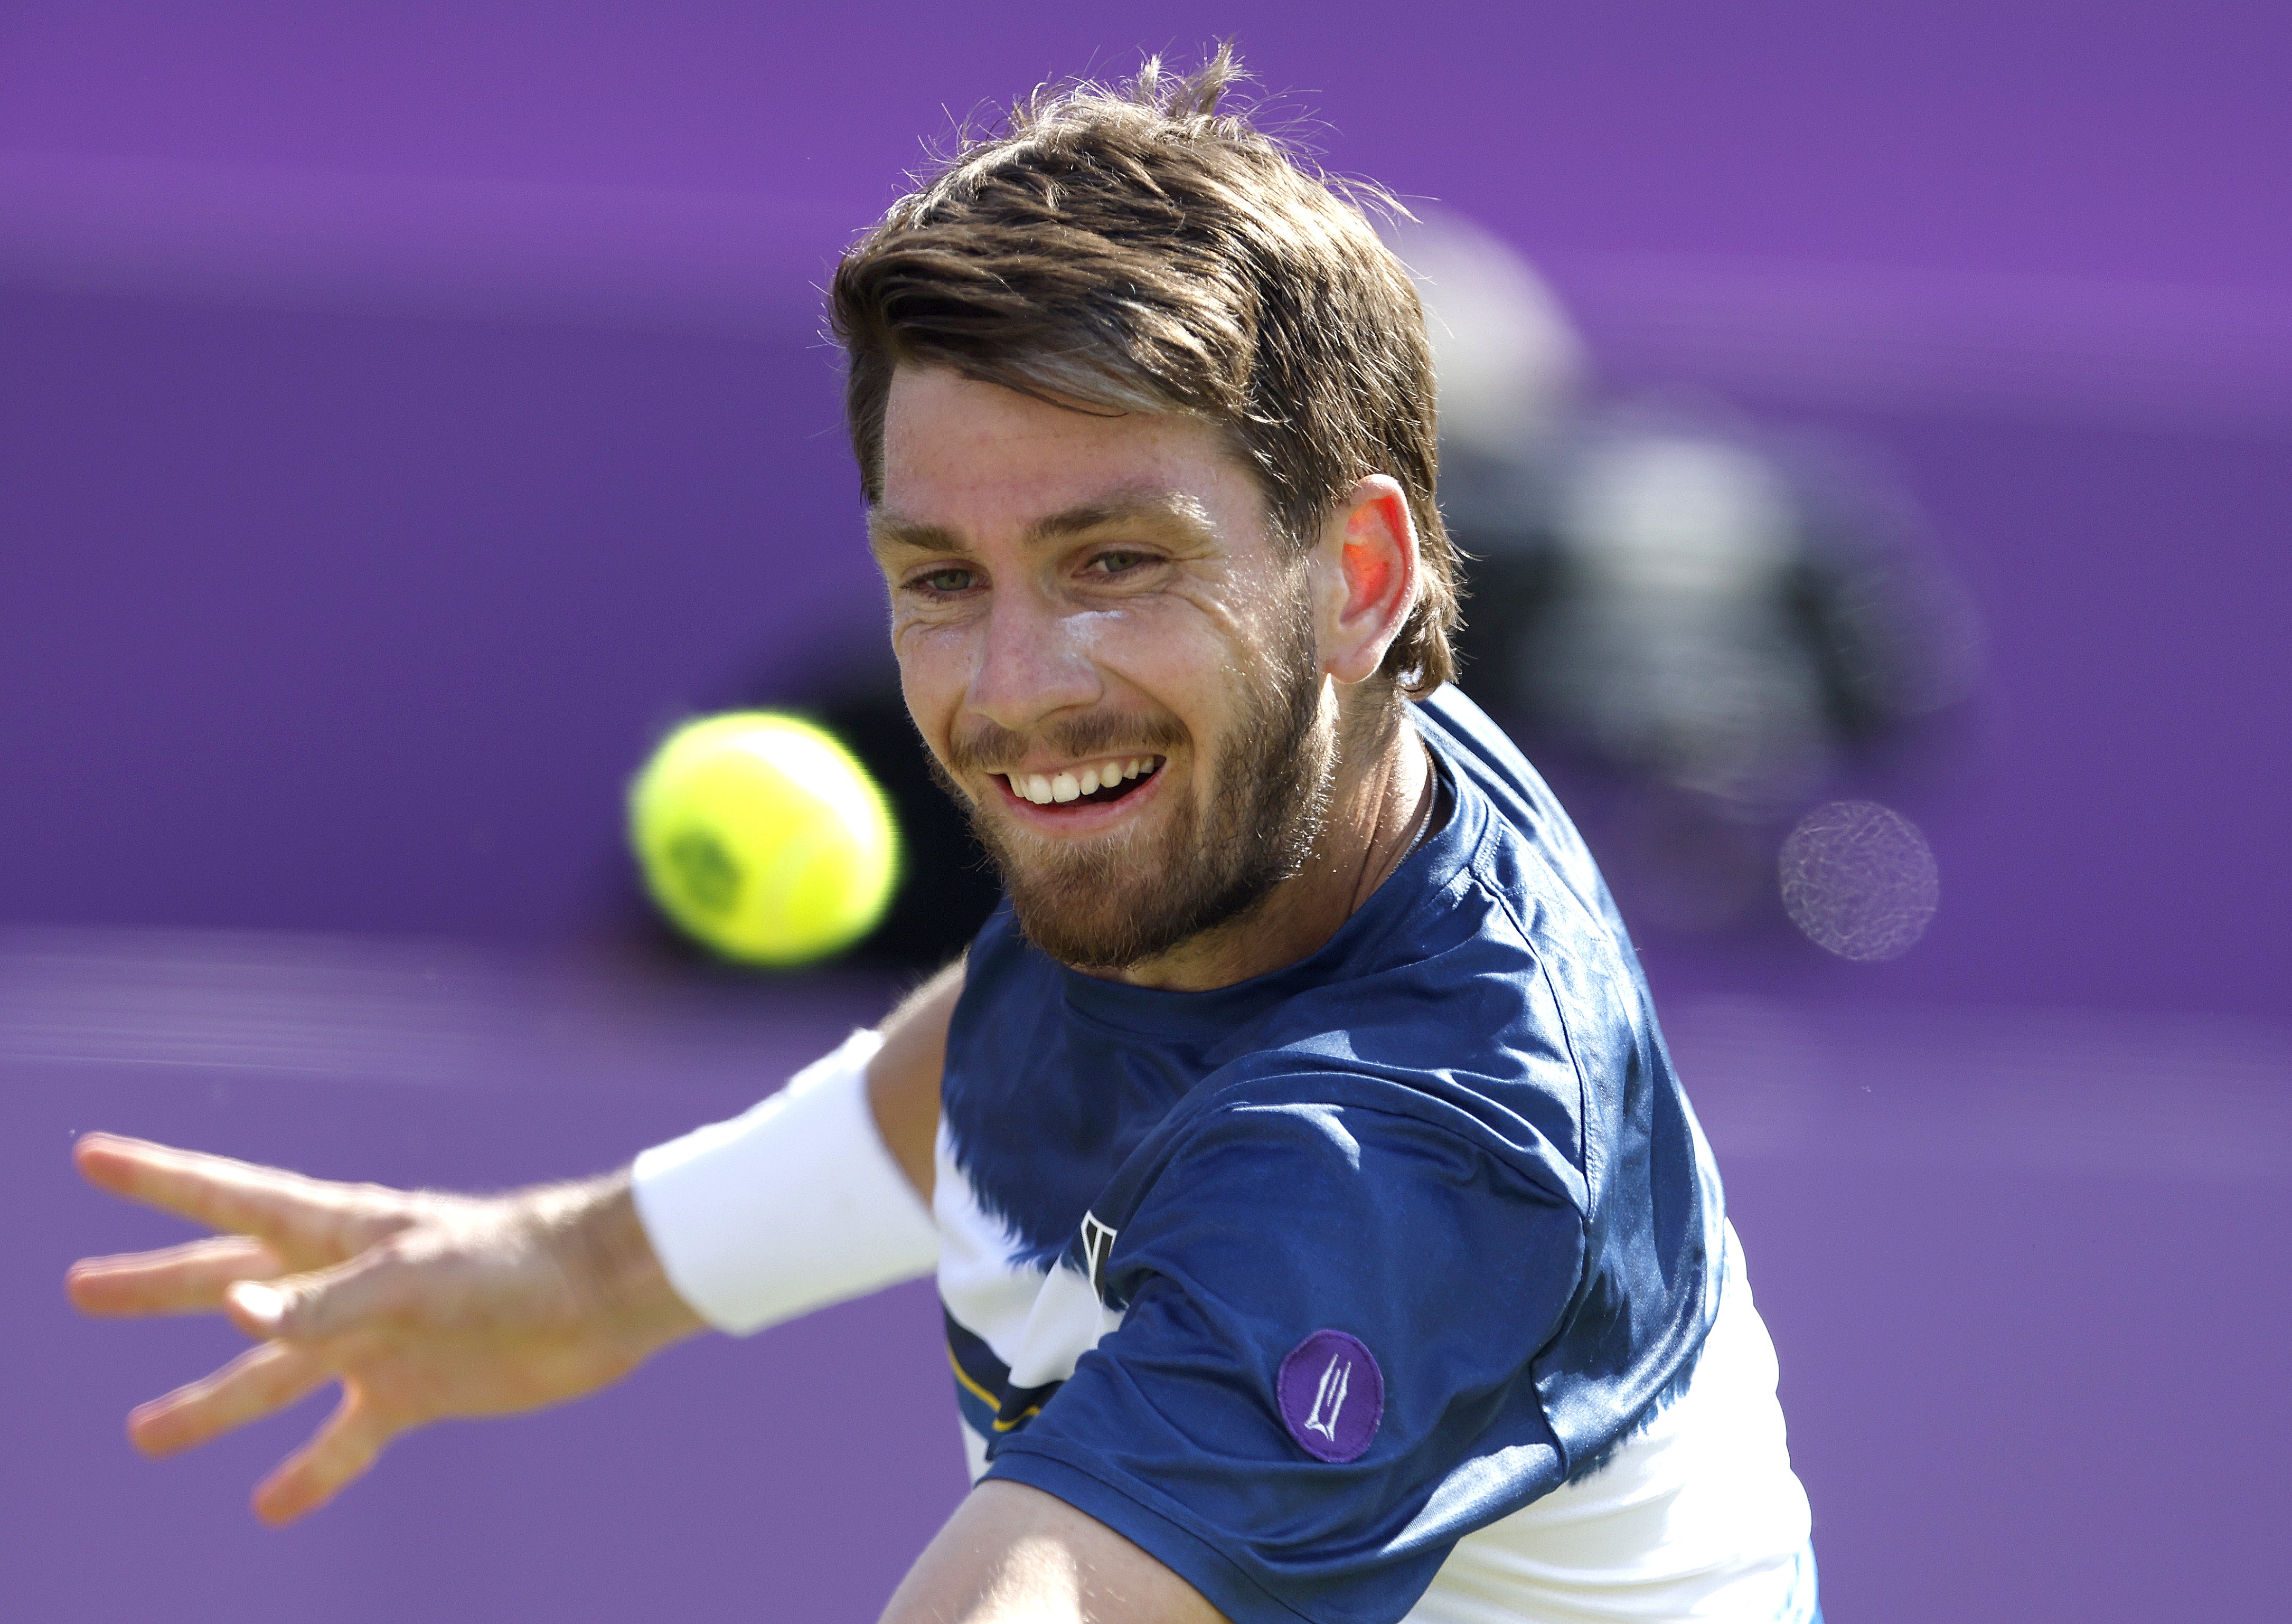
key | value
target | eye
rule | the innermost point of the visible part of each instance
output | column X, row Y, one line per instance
column 1117, row 561
column 945, row 582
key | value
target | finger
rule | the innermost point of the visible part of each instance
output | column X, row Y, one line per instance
column 186, row 1279
column 376, row 1285
column 344, row 1447
column 258, row 1382
column 216, row 1191
column 232, row 1195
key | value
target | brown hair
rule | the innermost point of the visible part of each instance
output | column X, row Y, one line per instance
column 1135, row 249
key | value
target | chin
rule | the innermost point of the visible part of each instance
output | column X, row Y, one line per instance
column 1105, row 909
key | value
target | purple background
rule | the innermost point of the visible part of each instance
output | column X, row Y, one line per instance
column 405, row 413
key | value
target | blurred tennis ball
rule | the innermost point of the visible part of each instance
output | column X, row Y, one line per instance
column 763, row 837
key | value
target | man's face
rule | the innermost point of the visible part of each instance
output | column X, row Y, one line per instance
column 1111, row 660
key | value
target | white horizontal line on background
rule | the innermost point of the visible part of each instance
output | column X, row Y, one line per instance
column 393, row 1011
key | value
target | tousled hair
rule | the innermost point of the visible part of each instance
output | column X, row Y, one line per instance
column 1136, row 249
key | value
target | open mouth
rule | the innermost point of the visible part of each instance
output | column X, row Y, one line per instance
column 1094, row 784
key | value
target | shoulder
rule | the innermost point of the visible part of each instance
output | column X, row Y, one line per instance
column 1527, row 860
column 1269, row 1141
column 1528, row 842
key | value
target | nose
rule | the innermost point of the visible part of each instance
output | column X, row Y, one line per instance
column 1033, row 662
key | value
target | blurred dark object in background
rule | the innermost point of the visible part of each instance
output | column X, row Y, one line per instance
column 1697, row 630
column 947, row 885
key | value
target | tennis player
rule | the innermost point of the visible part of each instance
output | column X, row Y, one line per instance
column 1322, row 1231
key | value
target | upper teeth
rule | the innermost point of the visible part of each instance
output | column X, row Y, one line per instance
column 1043, row 789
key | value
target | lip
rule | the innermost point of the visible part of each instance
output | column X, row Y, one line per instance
column 1075, row 819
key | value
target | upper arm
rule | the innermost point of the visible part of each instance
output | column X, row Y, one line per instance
column 1013, row 1555
column 1323, row 1369
column 904, row 1076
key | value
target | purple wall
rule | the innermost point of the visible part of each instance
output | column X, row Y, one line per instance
column 406, row 416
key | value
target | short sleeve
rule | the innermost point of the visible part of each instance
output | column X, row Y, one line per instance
column 1324, row 1373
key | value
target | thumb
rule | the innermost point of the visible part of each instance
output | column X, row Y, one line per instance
column 376, row 1284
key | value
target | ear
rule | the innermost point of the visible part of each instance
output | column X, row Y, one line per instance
column 1366, row 578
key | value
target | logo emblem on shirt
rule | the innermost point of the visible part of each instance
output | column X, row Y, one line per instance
column 1097, row 1246
column 1331, row 1395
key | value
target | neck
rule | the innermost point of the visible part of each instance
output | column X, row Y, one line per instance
column 1380, row 796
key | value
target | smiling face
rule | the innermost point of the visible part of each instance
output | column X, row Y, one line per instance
column 1113, row 665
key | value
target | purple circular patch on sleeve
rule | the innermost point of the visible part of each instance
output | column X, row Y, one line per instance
column 1331, row 1395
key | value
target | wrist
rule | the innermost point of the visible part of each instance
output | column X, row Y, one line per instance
column 595, row 1236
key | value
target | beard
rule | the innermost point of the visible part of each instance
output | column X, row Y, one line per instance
column 1135, row 895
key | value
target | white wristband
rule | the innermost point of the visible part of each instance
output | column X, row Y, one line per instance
column 789, row 1206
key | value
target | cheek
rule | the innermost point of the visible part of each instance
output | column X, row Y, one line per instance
column 1175, row 659
column 935, row 665
column 1136, row 645
column 939, row 649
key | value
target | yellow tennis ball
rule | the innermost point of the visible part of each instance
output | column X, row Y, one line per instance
column 763, row 837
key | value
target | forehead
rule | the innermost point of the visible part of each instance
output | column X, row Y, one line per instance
column 981, row 459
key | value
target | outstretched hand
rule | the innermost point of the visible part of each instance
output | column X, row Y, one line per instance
column 423, row 1306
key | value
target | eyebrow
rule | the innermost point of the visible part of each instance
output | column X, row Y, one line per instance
column 1162, row 509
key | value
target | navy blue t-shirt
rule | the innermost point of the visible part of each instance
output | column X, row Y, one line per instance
column 1295, row 1282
